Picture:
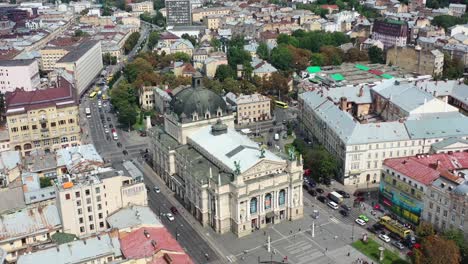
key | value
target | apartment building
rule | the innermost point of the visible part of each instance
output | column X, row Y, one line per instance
column 84, row 62
column 146, row 97
column 142, row 7
column 390, row 32
column 199, row 14
column 414, row 59
column 46, row 119
column 179, row 12
column 429, row 187
column 50, row 56
column 21, row 74
column 10, row 167
column 252, row 108
column 28, row 228
column 362, row 126
column 85, row 200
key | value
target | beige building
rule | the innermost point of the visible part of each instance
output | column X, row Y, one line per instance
column 146, row 96
column 252, row 108
column 222, row 177
column 413, row 59
column 97, row 20
column 199, row 14
column 180, row 45
column 142, row 7
column 84, row 202
column 46, row 119
column 211, row 64
column 22, row 74
column 213, row 22
column 50, row 56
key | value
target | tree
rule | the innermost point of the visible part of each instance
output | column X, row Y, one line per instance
column 153, row 39
column 457, row 236
column 127, row 114
column 453, row 68
column 237, row 55
column 182, row 56
column 213, row 85
column 300, row 58
column 80, row 33
column 231, row 85
column 45, row 182
column 84, row 12
column 223, row 72
column 276, row 84
column 437, row 250
column 131, row 42
column 317, row 59
column 136, row 67
column 376, row 55
column 332, row 55
column 424, row 229
column 108, row 59
column 190, row 38
column 281, row 57
column 447, row 21
column 216, row 44
column 352, row 55
column 262, row 51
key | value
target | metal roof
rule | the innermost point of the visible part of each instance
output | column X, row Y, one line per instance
column 133, row 216
column 437, row 128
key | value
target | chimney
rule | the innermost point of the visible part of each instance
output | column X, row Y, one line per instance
column 361, row 92
column 344, row 103
column 147, row 235
column 437, row 164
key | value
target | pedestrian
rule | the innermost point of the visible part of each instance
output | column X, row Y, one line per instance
column 349, row 254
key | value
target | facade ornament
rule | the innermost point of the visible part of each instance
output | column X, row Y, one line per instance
column 262, row 152
column 237, row 169
column 292, row 153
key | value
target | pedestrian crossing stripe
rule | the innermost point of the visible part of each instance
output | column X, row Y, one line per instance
column 334, row 220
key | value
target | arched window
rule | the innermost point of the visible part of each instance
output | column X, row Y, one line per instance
column 282, row 197
column 268, row 201
column 253, row 205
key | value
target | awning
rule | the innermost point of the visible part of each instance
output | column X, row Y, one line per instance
column 337, row 77
column 387, row 76
column 270, row 214
column 376, row 72
column 362, row 67
column 313, row 69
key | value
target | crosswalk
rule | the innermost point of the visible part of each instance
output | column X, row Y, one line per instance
column 303, row 252
column 334, row 220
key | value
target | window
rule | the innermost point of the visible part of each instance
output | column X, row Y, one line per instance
column 61, row 122
column 268, row 201
column 80, row 211
column 97, row 190
column 438, row 209
column 253, row 205
column 78, row 203
column 91, row 227
column 55, row 141
column 53, row 124
column 34, row 126
column 445, row 213
column 73, row 138
column 90, row 209
column 87, row 192
column 100, row 215
column 99, row 207
column 101, row 224
column 71, row 121
column 98, row 198
column 77, row 194
column 81, row 229
column 67, row 196
column 90, row 218
column 88, row 200
column 64, row 139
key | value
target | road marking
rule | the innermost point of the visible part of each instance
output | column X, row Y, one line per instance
column 334, row 220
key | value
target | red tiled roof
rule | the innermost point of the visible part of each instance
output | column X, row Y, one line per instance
column 63, row 42
column 427, row 168
column 29, row 100
column 269, row 34
column 329, row 6
column 168, row 35
column 188, row 68
column 157, row 242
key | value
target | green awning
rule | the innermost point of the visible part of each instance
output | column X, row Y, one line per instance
column 387, row 76
column 337, row 77
column 314, row 80
column 362, row 67
column 313, row 69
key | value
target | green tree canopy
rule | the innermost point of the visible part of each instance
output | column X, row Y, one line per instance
column 262, row 51
column 223, row 72
column 153, row 39
column 376, row 55
column 281, row 57
column 131, row 42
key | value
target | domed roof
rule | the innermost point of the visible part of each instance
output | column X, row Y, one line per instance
column 197, row 100
column 462, row 189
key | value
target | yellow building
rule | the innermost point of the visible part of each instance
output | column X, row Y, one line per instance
column 199, row 14
column 46, row 119
column 50, row 56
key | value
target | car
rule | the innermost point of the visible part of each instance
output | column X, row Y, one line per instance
column 398, row 245
column 143, row 134
column 343, row 193
column 125, row 152
column 344, row 212
column 320, row 190
column 105, row 125
column 111, row 126
column 363, row 218
column 385, row 238
column 371, row 229
column 156, row 189
column 322, row 199
column 333, row 205
column 360, row 222
column 305, row 186
column 119, row 144
column 108, row 119
column 106, row 130
column 378, row 226
column 394, row 236
column 346, row 207
column 312, row 192
column 170, row 217
column 108, row 137
column 270, row 130
column 174, row 210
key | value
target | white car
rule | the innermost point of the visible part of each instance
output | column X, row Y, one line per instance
column 384, row 238
column 360, row 222
column 106, row 130
column 170, row 217
column 156, row 189
column 333, row 205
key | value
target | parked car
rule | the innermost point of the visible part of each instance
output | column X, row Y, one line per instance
column 174, row 210
column 344, row 212
column 394, row 236
column 333, row 205
column 343, row 193
column 346, row 207
column 320, row 190
column 156, row 189
column 322, row 199
column 170, row 217
column 312, row 192
column 108, row 119
column 398, row 245
column 360, row 222
column 378, row 226
column 371, row 229
column 384, row 238
column 363, row 218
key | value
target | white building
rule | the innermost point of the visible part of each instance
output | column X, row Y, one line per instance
column 22, row 74
column 84, row 62
column 362, row 126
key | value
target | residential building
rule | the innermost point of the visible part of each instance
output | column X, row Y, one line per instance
column 50, row 56
column 84, row 62
column 47, row 119
column 19, row 74
column 457, row 9
column 368, row 43
column 362, row 126
column 28, row 228
column 146, row 96
column 33, row 193
column 183, row 69
column 179, row 12
column 459, row 98
column 199, row 14
column 450, row 145
column 213, row 22
column 390, row 32
column 104, row 248
column 427, row 187
column 180, row 45
column 78, row 160
column 215, row 171
column 162, row 100
column 414, row 59
column 4, row 140
column 458, row 51
column 10, row 167
column 42, row 163
column 252, row 108
column 142, row 7
column 84, row 201
column 262, row 68
column 211, row 64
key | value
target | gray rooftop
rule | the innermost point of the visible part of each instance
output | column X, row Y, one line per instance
column 438, row 128
column 16, row 63
column 229, row 147
column 133, row 217
column 79, row 251
column 79, row 51
column 73, row 157
column 39, row 195
column 11, row 199
column 352, row 94
column 40, row 161
column 9, row 160
column 447, row 142
column 461, row 93
column 133, row 171
column 163, row 138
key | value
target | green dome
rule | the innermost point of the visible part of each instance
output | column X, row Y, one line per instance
column 197, row 100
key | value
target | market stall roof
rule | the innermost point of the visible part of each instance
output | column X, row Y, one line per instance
column 313, row 69
column 387, row 76
column 337, row 77
column 362, row 67
column 376, row 72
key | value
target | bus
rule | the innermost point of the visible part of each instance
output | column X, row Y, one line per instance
column 88, row 112
column 395, row 227
column 91, row 95
column 281, row 104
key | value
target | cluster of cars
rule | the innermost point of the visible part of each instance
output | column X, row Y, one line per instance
column 392, row 238
column 174, row 211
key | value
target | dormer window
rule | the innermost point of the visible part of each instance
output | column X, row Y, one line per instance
column 207, row 115
column 194, row 116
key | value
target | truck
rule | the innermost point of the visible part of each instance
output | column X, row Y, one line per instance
column 336, row 197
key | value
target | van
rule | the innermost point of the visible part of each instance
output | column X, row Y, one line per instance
column 333, row 205
column 276, row 136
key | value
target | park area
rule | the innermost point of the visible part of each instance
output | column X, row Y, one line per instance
column 371, row 249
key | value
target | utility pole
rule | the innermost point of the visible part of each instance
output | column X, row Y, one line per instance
column 352, row 233
column 313, row 229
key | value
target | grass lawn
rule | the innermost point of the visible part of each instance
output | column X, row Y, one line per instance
column 371, row 249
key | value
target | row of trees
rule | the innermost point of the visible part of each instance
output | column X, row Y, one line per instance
column 108, row 59
column 447, row 21
column 342, row 4
column 131, row 42
column 156, row 19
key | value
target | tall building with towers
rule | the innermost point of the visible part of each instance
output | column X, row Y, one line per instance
column 179, row 12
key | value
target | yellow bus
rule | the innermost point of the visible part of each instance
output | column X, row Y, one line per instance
column 92, row 95
column 395, row 227
column 281, row 104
